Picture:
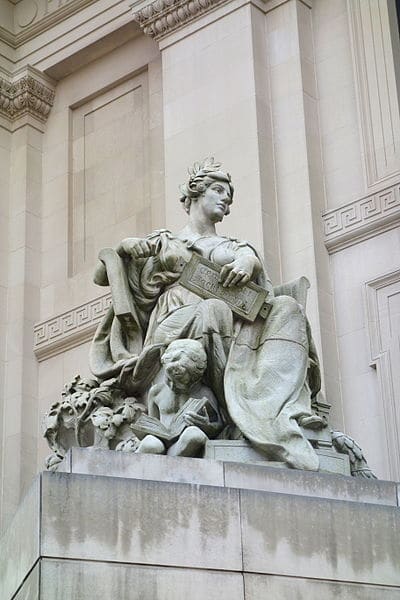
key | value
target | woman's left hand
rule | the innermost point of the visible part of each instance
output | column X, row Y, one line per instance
column 238, row 272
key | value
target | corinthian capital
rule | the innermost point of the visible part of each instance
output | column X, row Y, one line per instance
column 26, row 94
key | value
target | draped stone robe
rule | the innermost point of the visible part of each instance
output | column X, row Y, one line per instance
column 258, row 371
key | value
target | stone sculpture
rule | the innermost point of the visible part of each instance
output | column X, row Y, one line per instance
column 185, row 407
column 196, row 293
column 344, row 444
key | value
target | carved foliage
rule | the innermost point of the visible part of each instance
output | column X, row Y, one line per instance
column 164, row 16
column 26, row 95
column 344, row 444
column 90, row 414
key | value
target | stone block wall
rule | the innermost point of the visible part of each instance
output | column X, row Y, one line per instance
column 194, row 528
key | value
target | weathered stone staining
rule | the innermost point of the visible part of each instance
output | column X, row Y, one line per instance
column 198, row 345
column 150, row 527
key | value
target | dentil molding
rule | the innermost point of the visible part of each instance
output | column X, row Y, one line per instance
column 28, row 93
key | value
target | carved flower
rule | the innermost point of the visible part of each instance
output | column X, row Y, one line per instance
column 105, row 419
column 131, row 410
column 80, row 384
column 102, row 394
column 102, row 417
column 80, row 399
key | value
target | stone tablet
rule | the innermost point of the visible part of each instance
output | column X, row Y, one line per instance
column 201, row 276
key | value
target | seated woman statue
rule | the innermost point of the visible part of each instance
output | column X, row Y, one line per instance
column 256, row 370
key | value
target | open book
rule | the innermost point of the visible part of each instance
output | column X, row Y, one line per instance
column 147, row 425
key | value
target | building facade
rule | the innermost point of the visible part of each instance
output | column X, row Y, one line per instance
column 104, row 105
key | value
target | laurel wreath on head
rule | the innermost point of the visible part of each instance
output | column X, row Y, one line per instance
column 197, row 173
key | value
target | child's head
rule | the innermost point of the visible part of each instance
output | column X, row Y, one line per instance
column 185, row 362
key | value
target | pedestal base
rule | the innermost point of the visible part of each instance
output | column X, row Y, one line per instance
column 241, row 451
column 125, row 526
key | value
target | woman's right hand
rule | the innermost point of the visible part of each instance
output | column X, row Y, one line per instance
column 138, row 248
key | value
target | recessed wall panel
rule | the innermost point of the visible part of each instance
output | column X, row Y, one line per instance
column 109, row 197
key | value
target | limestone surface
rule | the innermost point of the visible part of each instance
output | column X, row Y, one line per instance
column 146, row 527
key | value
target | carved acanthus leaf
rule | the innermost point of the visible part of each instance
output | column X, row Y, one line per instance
column 164, row 16
column 27, row 95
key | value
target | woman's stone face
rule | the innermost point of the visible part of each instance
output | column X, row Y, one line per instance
column 215, row 201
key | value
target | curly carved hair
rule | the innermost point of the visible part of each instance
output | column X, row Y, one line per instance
column 192, row 351
column 201, row 176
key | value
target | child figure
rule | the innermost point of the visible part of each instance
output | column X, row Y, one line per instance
column 184, row 363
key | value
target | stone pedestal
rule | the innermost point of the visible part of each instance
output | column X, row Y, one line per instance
column 330, row 461
column 115, row 525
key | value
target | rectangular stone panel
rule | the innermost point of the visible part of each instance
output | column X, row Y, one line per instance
column 92, row 461
column 81, row 580
column 146, row 522
column 238, row 451
column 21, row 542
column 31, row 586
column 331, row 461
column 241, row 451
column 376, row 87
column 109, row 193
column 306, row 483
column 321, row 539
column 290, row 588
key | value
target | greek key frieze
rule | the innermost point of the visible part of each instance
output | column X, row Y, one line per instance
column 362, row 218
column 70, row 328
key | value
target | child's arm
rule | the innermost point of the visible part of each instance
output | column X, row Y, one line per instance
column 152, row 406
column 210, row 427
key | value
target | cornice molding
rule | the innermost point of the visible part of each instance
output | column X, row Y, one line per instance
column 26, row 94
column 7, row 37
column 362, row 219
column 45, row 17
column 162, row 17
column 165, row 16
column 69, row 329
